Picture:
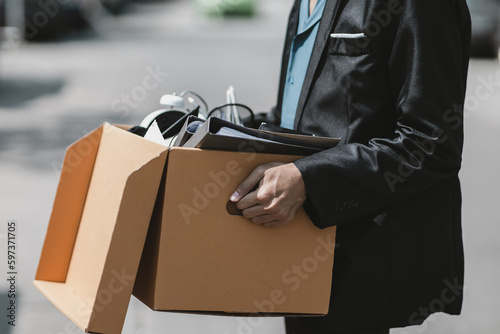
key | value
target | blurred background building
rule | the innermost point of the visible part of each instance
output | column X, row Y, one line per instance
column 49, row 19
column 66, row 66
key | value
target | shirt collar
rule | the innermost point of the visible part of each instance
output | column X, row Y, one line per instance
column 306, row 22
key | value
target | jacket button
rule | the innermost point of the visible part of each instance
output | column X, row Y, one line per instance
column 347, row 205
column 339, row 207
column 354, row 203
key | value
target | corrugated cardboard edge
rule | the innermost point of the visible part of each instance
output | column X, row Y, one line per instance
column 146, row 278
column 52, row 272
column 62, row 297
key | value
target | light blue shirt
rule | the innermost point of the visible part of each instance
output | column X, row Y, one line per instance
column 300, row 54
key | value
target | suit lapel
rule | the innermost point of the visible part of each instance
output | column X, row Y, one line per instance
column 293, row 23
column 329, row 14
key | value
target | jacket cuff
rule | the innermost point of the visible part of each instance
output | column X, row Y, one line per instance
column 312, row 213
column 309, row 204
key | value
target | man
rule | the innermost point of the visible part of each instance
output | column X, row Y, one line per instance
column 388, row 77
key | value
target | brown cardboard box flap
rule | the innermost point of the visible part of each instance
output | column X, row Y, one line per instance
column 98, row 226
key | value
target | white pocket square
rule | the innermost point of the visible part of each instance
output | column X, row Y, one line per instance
column 341, row 35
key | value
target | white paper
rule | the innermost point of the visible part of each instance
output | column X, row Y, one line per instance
column 154, row 134
column 229, row 132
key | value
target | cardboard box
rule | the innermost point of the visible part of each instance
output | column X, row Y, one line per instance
column 196, row 258
column 106, row 193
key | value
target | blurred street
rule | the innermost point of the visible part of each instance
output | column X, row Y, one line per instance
column 52, row 93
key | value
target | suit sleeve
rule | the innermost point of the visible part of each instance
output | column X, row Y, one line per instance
column 427, row 70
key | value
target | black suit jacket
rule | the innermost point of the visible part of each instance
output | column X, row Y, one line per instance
column 395, row 97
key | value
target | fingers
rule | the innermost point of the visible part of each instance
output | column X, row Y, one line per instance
column 248, row 184
column 251, row 182
column 264, row 214
column 280, row 194
column 249, row 202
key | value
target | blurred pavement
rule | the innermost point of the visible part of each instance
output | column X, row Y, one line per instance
column 52, row 93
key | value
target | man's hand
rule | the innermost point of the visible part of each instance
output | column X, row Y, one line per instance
column 280, row 193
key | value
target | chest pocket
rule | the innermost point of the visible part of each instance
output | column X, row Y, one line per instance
column 349, row 44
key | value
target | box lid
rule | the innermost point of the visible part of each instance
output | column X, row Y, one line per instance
column 101, row 213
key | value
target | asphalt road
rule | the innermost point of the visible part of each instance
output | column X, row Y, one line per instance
column 52, row 93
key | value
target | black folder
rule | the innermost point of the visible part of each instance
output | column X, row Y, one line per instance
column 219, row 134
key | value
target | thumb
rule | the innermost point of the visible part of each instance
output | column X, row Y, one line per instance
column 249, row 184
